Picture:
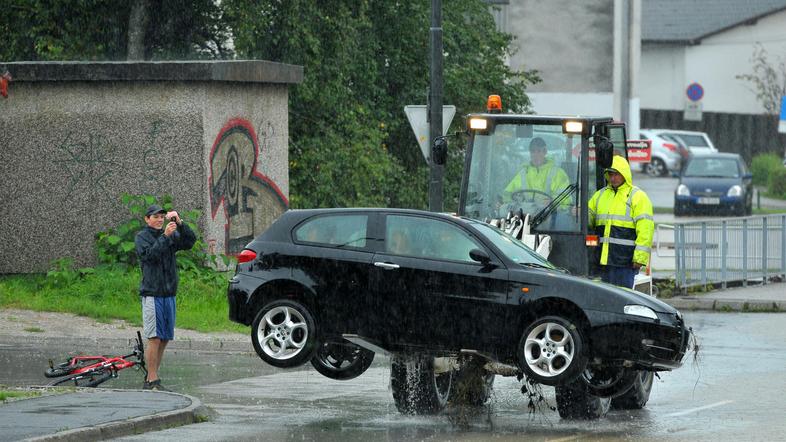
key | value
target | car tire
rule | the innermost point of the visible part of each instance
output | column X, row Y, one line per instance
column 638, row 395
column 284, row 334
column 417, row 387
column 551, row 351
column 574, row 401
column 609, row 382
column 657, row 168
column 341, row 361
column 472, row 383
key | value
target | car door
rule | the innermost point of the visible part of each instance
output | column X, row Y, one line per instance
column 334, row 256
column 430, row 292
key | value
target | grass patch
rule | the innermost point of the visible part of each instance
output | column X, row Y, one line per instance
column 34, row 329
column 112, row 293
column 17, row 394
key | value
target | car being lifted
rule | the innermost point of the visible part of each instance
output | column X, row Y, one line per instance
column 453, row 301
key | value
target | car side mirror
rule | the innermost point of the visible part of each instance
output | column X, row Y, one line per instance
column 604, row 151
column 439, row 151
column 480, row 256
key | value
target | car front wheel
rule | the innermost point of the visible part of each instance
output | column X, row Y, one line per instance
column 284, row 334
column 657, row 168
column 638, row 395
column 419, row 385
column 551, row 351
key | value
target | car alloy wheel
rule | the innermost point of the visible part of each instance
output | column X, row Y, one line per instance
column 551, row 351
column 341, row 360
column 657, row 168
column 284, row 334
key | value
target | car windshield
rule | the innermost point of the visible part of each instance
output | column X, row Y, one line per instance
column 514, row 249
column 524, row 166
column 712, row 167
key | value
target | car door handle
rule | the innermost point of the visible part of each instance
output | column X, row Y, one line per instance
column 386, row 265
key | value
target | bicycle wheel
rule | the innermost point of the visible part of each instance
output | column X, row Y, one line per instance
column 87, row 379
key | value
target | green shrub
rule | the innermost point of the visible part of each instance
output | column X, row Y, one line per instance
column 763, row 165
column 776, row 185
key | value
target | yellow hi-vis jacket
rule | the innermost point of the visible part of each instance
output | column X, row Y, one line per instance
column 548, row 178
column 622, row 219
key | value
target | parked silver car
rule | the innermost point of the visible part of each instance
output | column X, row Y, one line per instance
column 668, row 154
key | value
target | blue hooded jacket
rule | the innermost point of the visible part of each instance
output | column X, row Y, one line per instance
column 156, row 254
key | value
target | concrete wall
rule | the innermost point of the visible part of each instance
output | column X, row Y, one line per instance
column 667, row 70
column 76, row 136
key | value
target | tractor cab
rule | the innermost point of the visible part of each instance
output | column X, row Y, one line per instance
column 533, row 175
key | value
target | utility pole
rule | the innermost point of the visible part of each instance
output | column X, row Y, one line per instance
column 436, row 171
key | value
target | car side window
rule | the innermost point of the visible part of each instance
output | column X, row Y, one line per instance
column 427, row 238
column 334, row 230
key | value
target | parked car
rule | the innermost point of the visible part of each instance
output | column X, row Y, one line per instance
column 668, row 154
column 696, row 142
column 444, row 296
column 714, row 182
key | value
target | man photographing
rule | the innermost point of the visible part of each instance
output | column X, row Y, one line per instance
column 156, row 245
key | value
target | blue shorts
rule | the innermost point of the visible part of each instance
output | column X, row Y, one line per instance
column 158, row 317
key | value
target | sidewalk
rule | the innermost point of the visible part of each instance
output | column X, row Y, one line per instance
column 97, row 413
column 753, row 298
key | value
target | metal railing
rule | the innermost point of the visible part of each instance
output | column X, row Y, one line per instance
column 729, row 250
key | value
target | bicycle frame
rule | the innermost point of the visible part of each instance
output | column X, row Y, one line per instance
column 79, row 367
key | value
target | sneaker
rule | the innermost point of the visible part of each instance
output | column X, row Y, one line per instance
column 154, row 385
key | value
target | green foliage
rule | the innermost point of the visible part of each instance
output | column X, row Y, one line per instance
column 17, row 394
column 350, row 142
column 776, row 182
column 98, row 30
column 762, row 166
column 63, row 273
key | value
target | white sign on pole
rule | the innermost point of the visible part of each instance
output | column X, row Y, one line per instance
column 692, row 111
column 416, row 114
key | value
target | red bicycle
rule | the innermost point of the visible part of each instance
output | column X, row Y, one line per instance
column 91, row 371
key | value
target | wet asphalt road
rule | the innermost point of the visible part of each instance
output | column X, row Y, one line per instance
column 733, row 390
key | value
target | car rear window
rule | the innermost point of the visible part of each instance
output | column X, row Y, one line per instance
column 334, row 230
column 692, row 140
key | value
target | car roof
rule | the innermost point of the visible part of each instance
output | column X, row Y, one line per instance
column 675, row 131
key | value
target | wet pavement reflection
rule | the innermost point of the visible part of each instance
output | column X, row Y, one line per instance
column 732, row 390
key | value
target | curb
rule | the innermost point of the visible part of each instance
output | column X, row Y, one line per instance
column 217, row 345
column 161, row 421
column 726, row 305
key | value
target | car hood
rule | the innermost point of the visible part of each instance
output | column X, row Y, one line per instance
column 704, row 183
column 587, row 294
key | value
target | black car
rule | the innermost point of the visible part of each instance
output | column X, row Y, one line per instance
column 714, row 182
column 448, row 298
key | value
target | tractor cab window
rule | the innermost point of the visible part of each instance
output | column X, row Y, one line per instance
column 517, row 166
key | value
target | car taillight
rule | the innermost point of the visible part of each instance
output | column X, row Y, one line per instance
column 246, row 256
column 671, row 147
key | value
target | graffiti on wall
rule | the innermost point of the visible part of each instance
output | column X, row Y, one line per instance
column 88, row 164
column 250, row 200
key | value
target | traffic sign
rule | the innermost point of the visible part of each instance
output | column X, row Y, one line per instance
column 782, row 119
column 694, row 92
column 416, row 114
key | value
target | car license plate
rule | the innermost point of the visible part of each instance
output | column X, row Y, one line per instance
column 706, row 200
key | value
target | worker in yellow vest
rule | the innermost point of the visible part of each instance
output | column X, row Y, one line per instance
column 540, row 175
column 621, row 215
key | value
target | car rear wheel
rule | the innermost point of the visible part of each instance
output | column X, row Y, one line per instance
column 284, row 334
column 419, row 385
column 639, row 393
column 341, row 360
column 657, row 167
column 551, row 351
column 574, row 401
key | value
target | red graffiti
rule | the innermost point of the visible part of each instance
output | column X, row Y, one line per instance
column 4, row 80
column 250, row 200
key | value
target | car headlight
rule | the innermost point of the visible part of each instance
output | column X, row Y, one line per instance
column 683, row 190
column 734, row 190
column 640, row 310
